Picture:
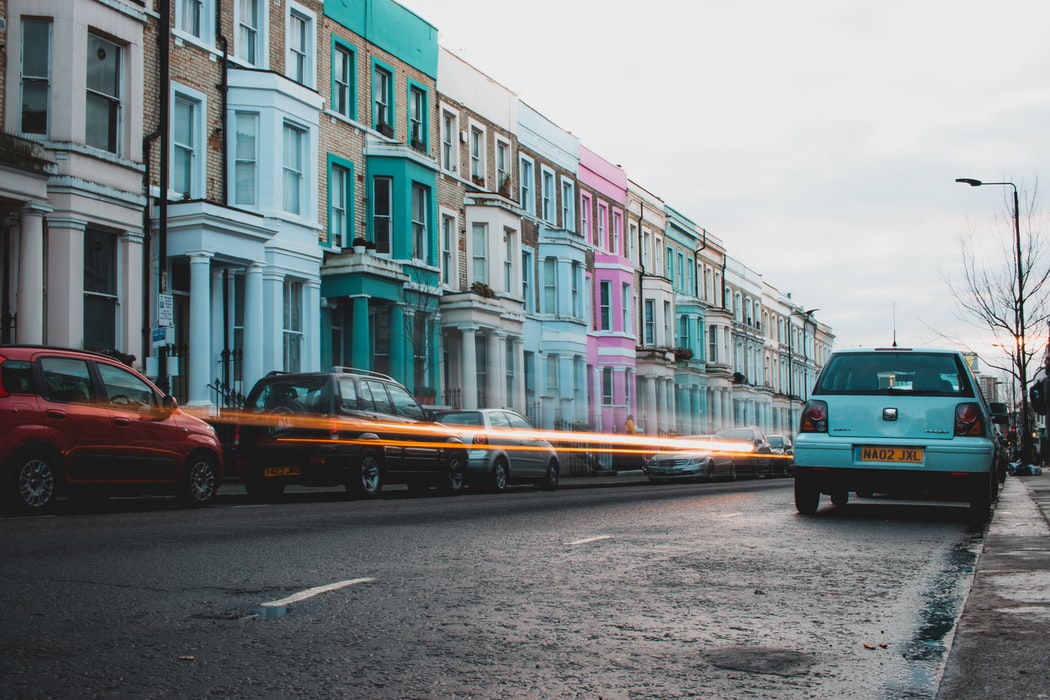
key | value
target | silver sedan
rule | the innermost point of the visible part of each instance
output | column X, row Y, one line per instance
column 698, row 458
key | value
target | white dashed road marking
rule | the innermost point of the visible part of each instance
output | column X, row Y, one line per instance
column 311, row 592
column 589, row 540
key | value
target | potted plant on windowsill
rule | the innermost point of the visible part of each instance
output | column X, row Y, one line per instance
column 683, row 355
column 359, row 245
column 385, row 129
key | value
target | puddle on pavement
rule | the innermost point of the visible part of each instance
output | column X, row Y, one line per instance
column 926, row 653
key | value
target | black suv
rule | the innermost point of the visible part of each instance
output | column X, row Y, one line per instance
column 352, row 427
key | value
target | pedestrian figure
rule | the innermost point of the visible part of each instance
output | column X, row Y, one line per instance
column 629, row 425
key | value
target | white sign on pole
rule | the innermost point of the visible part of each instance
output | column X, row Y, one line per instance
column 165, row 310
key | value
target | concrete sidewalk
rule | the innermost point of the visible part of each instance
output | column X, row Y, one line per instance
column 1001, row 647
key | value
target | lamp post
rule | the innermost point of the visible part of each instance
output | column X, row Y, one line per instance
column 805, row 316
column 1019, row 357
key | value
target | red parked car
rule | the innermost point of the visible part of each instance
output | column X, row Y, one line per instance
column 81, row 422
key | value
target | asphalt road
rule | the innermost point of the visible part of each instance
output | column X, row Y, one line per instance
column 670, row 591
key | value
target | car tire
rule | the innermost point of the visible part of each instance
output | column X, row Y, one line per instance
column 981, row 499
column 455, row 473
column 33, row 481
column 732, row 471
column 807, row 496
column 200, row 480
column 367, row 479
column 550, row 481
column 710, row 476
column 500, row 476
column 840, row 498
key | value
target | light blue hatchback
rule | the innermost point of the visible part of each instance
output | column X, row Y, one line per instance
column 900, row 421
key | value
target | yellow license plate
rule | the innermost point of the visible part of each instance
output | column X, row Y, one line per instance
column 282, row 471
column 910, row 455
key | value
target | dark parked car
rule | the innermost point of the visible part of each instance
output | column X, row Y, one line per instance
column 349, row 427
column 75, row 422
column 503, row 447
column 752, row 454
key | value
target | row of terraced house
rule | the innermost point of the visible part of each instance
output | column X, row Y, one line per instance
column 221, row 188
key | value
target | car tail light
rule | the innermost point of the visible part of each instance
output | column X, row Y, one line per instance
column 814, row 417
column 236, row 434
column 480, row 439
column 333, row 432
column 968, row 420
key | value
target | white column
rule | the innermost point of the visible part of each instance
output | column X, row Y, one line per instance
column 273, row 320
column 65, row 281
column 470, row 368
column 200, row 328
column 312, row 325
column 519, row 377
column 253, row 325
column 132, row 321
column 29, row 292
column 497, row 369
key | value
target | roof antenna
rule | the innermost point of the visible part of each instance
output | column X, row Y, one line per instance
column 894, row 324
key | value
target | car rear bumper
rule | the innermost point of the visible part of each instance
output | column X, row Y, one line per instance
column 959, row 455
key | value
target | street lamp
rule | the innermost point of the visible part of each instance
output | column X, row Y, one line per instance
column 808, row 316
column 1022, row 372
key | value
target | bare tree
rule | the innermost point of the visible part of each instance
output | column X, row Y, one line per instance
column 421, row 300
column 1008, row 293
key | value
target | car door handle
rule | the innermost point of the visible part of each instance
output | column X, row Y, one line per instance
column 56, row 414
column 122, row 422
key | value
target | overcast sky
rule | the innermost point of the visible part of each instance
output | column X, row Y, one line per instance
column 819, row 139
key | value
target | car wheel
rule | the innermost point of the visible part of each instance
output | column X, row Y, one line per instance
column 34, row 481
column 840, row 498
column 368, row 477
column 500, row 475
column 710, row 476
column 261, row 490
column 732, row 471
column 455, row 473
column 807, row 496
column 550, row 481
column 200, row 481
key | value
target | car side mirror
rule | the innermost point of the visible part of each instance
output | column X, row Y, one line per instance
column 168, row 404
column 1000, row 412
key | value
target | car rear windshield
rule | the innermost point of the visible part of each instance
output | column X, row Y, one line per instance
column 899, row 373
column 295, row 392
column 464, row 418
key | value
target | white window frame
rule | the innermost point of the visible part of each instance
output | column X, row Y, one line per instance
column 502, row 165
column 479, row 252
column 307, row 51
column 45, row 79
column 477, row 141
column 510, row 259
column 118, row 99
column 449, row 139
column 526, row 184
column 199, row 161
column 585, row 216
column 449, row 247
column 550, row 285
column 204, row 33
column 625, row 307
column 568, row 204
column 252, row 33
column 298, row 170
column 292, row 324
column 548, row 197
column 239, row 159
